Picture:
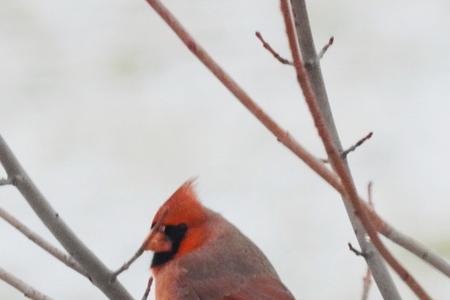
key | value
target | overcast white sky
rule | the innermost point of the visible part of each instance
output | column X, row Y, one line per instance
column 109, row 113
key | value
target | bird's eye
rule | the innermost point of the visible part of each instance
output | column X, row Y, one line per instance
column 162, row 228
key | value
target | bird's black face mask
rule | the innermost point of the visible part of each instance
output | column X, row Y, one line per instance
column 175, row 233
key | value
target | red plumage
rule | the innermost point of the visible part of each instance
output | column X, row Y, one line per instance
column 209, row 258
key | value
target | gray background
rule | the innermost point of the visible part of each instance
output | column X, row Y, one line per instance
column 109, row 113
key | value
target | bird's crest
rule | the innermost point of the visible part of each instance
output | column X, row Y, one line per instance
column 182, row 207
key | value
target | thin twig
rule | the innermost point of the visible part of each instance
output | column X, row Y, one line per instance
column 148, row 288
column 128, row 263
column 27, row 290
column 269, row 48
column 41, row 242
column 98, row 272
column 361, row 141
column 141, row 249
column 354, row 250
column 280, row 133
column 336, row 159
column 325, row 48
column 358, row 143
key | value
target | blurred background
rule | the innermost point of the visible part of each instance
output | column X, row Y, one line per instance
column 109, row 113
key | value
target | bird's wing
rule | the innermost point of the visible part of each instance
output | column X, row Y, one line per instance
column 239, row 288
column 231, row 267
column 261, row 288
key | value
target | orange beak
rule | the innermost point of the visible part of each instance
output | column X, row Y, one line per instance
column 157, row 241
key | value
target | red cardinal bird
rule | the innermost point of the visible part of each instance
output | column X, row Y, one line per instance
column 201, row 256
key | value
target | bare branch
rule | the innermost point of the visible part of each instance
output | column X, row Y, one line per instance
column 375, row 262
column 405, row 241
column 415, row 247
column 147, row 290
column 370, row 194
column 335, row 158
column 280, row 133
column 269, row 48
column 367, row 281
column 325, row 48
column 41, row 242
column 25, row 288
column 100, row 274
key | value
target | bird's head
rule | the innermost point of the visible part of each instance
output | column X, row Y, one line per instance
column 178, row 227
